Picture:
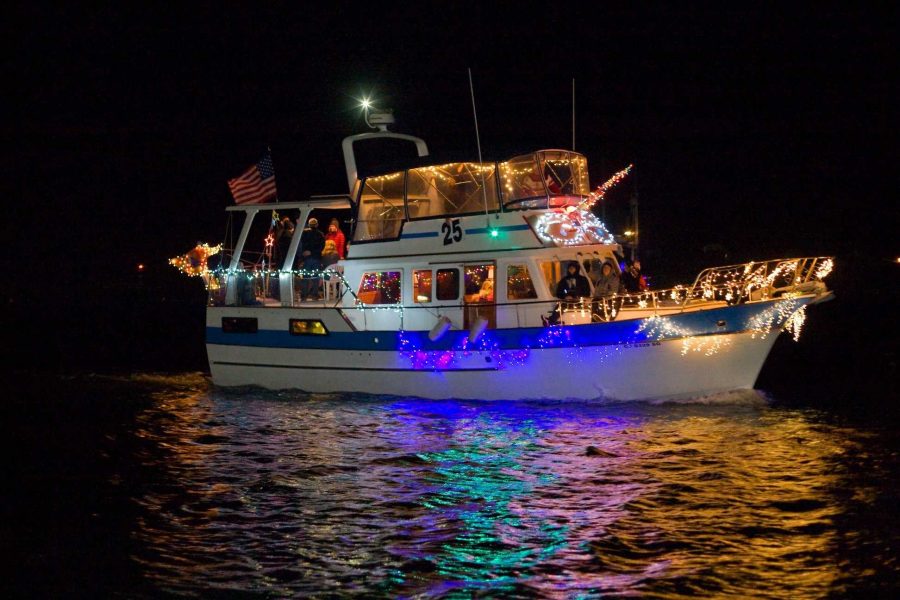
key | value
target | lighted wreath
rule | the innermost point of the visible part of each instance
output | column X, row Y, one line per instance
column 571, row 227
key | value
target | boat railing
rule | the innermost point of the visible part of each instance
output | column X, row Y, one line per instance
column 721, row 286
column 256, row 286
column 754, row 281
column 713, row 287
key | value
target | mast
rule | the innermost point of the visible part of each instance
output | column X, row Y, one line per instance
column 634, row 221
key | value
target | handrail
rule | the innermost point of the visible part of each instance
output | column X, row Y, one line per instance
column 759, row 280
column 732, row 284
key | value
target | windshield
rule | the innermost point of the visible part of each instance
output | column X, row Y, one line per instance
column 545, row 179
column 451, row 189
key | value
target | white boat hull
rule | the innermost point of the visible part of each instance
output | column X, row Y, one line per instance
column 658, row 369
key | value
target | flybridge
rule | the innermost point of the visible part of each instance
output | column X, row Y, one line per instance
column 541, row 180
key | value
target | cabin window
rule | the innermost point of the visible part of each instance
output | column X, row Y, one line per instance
column 518, row 283
column 522, row 183
column 380, row 207
column 552, row 272
column 479, row 281
column 379, row 287
column 422, row 286
column 447, row 284
column 308, row 327
column 566, row 176
column 551, row 178
column 239, row 325
column 452, row 189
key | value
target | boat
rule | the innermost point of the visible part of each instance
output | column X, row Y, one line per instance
column 447, row 291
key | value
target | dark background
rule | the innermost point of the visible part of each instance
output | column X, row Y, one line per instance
column 756, row 133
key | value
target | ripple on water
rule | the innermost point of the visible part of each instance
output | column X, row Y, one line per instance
column 288, row 494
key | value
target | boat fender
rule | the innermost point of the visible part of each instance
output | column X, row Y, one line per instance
column 439, row 329
column 477, row 329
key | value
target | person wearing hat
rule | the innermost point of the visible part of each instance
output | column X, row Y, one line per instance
column 337, row 236
column 312, row 242
column 570, row 288
column 284, row 231
column 573, row 284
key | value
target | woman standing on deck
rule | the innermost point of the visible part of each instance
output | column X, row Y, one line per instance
column 337, row 236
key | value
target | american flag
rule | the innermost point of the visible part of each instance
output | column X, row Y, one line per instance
column 255, row 185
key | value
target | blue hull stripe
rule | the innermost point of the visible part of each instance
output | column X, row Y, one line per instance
column 736, row 319
column 472, row 231
column 322, row 368
column 424, row 234
column 476, row 230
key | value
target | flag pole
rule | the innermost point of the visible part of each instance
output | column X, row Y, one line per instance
column 269, row 150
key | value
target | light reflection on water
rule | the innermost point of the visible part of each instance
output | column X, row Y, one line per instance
column 349, row 495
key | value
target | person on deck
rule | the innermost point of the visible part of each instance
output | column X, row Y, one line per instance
column 573, row 284
column 337, row 236
column 284, row 231
column 633, row 281
column 329, row 254
column 570, row 288
column 312, row 243
column 606, row 285
column 608, row 282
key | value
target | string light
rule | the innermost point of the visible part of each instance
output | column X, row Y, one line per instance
column 708, row 344
column 433, row 360
column 600, row 192
column 825, row 267
column 763, row 323
column 758, row 280
column 572, row 227
column 385, row 178
column 795, row 323
column 194, row 263
column 661, row 328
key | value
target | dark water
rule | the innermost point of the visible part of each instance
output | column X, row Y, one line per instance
column 144, row 485
column 148, row 486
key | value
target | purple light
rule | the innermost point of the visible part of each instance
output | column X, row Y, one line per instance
column 432, row 360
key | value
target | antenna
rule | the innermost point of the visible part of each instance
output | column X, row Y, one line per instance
column 480, row 164
column 634, row 218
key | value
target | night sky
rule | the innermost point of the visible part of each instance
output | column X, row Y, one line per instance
column 755, row 132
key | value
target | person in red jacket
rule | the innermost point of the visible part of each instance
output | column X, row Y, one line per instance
column 335, row 234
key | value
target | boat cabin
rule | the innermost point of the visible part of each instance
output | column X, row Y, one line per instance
column 465, row 240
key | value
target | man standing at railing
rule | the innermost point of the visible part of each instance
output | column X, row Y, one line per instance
column 313, row 242
column 570, row 288
column 633, row 280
